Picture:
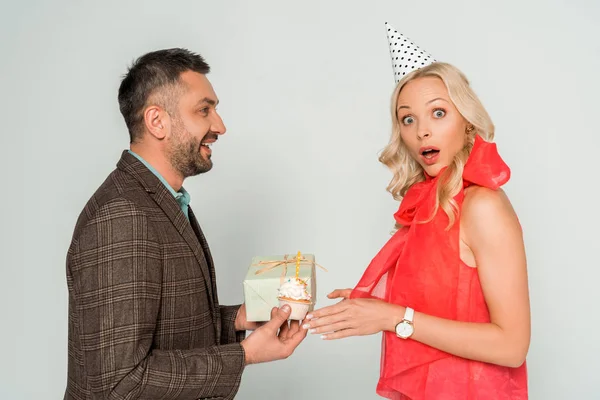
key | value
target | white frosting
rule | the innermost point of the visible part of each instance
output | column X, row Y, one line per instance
column 294, row 289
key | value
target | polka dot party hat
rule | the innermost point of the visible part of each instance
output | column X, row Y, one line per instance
column 406, row 56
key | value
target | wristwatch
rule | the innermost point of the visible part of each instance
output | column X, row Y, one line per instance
column 405, row 328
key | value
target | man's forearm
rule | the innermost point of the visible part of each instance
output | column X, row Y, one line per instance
column 229, row 333
column 176, row 374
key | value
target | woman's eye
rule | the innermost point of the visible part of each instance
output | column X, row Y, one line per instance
column 407, row 120
column 439, row 113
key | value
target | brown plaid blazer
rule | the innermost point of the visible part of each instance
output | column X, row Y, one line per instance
column 144, row 317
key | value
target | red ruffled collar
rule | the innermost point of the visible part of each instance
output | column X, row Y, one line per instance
column 484, row 168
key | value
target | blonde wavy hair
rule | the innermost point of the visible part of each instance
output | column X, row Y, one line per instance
column 407, row 171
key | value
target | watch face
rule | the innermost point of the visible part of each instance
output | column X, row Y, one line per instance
column 404, row 329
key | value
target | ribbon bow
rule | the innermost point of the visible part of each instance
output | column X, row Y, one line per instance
column 299, row 259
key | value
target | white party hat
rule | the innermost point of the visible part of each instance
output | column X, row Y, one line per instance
column 406, row 56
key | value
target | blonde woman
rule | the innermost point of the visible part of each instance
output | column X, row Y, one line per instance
column 449, row 290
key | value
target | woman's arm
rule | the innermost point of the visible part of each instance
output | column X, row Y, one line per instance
column 492, row 231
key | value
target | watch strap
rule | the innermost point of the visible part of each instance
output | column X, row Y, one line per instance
column 409, row 314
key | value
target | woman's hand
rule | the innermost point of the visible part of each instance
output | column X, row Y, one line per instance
column 353, row 317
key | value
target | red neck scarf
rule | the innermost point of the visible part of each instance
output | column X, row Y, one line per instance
column 420, row 267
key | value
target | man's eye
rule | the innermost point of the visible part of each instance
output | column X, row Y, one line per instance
column 408, row 120
column 439, row 113
column 204, row 110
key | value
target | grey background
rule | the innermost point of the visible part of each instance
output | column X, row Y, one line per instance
column 304, row 89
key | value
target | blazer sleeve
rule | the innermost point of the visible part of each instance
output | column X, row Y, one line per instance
column 228, row 332
column 115, row 270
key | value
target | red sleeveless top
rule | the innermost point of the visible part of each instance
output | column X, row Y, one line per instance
column 420, row 267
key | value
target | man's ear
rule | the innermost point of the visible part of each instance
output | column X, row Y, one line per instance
column 157, row 121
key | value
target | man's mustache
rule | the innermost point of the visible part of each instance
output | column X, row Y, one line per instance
column 210, row 136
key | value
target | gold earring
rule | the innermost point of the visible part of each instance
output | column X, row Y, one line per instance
column 470, row 129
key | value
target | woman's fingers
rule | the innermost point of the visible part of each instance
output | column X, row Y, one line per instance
column 337, row 293
column 341, row 334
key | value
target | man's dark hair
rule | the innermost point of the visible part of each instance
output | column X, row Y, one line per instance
column 152, row 73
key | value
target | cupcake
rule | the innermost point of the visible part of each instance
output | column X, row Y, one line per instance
column 293, row 292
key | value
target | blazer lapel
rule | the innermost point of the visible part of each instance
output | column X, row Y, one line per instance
column 214, row 299
column 169, row 205
column 207, row 254
column 165, row 200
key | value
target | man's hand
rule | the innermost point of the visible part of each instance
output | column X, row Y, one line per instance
column 241, row 322
column 275, row 340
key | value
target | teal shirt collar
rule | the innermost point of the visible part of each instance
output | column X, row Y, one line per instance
column 182, row 197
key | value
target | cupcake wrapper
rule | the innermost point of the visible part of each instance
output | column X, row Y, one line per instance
column 299, row 310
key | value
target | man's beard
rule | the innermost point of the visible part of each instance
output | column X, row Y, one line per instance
column 184, row 153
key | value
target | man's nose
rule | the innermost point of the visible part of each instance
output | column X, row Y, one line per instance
column 217, row 125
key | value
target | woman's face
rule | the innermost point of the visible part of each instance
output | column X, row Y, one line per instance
column 430, row 125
